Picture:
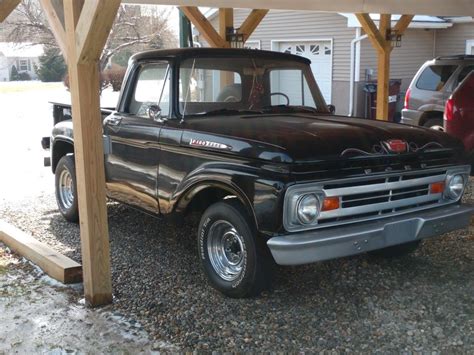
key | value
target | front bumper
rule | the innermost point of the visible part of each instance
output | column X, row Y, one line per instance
column 313, row 246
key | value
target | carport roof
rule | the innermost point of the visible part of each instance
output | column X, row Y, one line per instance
column 418, row 7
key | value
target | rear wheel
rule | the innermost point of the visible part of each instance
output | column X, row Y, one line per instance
column 234, row 260
column 435, row 123
column 66, row 195
column 396, row 250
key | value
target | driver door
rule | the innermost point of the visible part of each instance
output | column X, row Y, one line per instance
column 132, row 163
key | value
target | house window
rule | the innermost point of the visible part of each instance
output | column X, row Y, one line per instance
column 23, row 65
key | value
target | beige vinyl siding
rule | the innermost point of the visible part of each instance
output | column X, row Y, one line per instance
column 417, row 48
column 453, row 40
column 301, row 25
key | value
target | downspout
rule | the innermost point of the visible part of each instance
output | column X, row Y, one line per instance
column 352, row 72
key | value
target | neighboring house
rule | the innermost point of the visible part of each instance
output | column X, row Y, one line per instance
column 325, row 38
column 24, row 57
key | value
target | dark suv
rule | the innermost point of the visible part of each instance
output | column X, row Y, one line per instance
column 431, row 87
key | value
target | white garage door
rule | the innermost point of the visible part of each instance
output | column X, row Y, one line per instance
column 320, row 55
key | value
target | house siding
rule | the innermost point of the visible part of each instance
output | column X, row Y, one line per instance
column 417, row 48
column 453, row 40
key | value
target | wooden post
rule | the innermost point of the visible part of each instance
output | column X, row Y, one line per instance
column 226, row 22
column 87, row 26
column 6, row 8
column 383, row 71
column 383, row 45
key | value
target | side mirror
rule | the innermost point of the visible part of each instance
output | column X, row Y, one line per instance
column 154, row 112
column 332, row 109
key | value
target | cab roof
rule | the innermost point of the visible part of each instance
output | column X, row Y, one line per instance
column 183, row 53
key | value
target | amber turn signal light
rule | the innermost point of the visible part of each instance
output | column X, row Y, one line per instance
column 437, row 188
column 330, row 203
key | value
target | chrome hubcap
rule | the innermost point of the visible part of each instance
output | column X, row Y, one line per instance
column 66, row 189
column 226, row 250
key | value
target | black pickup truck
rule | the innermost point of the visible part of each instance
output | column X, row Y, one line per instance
column 277, row 177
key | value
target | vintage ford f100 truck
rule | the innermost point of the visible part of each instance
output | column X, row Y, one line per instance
column 276, row 176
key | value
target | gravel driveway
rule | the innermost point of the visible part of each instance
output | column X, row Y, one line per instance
column 422, row 302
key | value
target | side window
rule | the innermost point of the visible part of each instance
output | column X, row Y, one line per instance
column 465, row 72
column 152, row 88
column 435, row 77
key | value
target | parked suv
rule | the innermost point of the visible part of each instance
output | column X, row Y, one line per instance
column 431, row 87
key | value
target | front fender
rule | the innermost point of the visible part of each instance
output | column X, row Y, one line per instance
column 260, row 193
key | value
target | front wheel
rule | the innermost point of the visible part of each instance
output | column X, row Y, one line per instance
column 234, row 260
column 66, row 195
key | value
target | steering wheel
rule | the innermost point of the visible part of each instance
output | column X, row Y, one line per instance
column 231, row 98
column 281, row 94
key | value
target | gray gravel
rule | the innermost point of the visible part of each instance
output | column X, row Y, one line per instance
column 421, row 302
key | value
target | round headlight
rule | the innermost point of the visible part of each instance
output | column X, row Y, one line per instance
column 455, row 187
column 308, row 209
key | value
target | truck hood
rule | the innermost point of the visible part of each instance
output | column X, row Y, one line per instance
column 301, row 138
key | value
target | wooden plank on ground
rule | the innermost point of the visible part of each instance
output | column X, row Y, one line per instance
column 56, row 265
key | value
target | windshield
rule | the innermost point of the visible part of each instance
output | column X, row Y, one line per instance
column 245, row 85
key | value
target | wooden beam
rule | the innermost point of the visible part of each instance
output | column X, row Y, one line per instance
column 94, row 27
column 251, row 22
column 6, row 8
column 88, row 148
column 204, row 26
column 226, row 20
column 56, row 265
column 403, row 23
column 374, row 35
column 383, row 71
column 56, row 25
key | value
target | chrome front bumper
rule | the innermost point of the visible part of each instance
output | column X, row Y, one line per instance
column 313, row 246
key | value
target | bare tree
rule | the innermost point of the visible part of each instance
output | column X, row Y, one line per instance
column 135, row 28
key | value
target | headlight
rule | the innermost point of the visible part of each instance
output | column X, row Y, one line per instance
column 455, row 187
column 308, row 208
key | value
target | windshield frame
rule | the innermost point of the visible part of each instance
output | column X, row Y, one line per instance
column 321, row 106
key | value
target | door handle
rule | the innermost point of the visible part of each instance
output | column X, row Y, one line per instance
column 113, row 121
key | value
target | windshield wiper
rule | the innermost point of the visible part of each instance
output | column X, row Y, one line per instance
column 286, row 109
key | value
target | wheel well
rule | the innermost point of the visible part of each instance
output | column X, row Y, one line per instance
column 60, row 149
column 429, row 115
column 206, row 197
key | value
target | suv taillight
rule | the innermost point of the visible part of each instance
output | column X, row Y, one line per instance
column 448, row 110
column 407, row 99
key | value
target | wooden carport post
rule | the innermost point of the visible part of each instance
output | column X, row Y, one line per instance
column 87, row 26
column 383, row 45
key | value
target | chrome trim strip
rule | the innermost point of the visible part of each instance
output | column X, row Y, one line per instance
column 375, row 207
column 354, row 190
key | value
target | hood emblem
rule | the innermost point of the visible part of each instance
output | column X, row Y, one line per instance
column 208, row 144
column 395, row 146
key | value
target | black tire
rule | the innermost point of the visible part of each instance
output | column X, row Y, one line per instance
column 435, row 123
column 396, row 250
column 256, row 266
column 70, row 210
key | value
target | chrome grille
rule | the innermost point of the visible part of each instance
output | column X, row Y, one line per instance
column 362, row 198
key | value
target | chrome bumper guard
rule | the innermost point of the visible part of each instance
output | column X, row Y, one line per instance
column 324, row 244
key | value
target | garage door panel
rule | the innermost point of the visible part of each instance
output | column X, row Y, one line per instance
column 320, row 55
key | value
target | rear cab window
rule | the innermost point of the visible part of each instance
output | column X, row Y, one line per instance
column 465, row 72
column 435, row 77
